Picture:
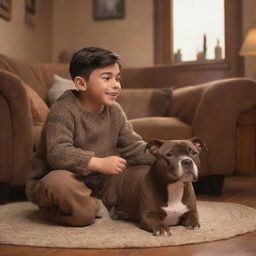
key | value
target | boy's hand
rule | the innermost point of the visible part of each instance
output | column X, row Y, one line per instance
column 107, row 165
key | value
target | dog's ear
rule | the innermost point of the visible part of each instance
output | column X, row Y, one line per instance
column 198, row 143
column 153, row 146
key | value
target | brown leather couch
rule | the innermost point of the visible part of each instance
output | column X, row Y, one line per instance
column 222, row 113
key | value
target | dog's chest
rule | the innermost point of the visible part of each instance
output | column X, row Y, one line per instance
column 175, row 208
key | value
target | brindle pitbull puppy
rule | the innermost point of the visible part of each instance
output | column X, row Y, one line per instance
column 161, row 195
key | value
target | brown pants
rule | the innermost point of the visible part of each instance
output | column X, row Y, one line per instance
column 64, row 198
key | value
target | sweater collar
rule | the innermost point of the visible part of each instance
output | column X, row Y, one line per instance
column 71, row 97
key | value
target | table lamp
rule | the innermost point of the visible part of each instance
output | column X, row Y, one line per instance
column 249, row 45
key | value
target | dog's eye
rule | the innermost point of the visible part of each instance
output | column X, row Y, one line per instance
column 169, row 154
column 194, row 153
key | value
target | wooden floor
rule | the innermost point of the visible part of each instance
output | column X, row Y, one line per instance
column 236, row 189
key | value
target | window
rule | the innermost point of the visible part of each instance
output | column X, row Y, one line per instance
column 198, row 29
column 164, row 37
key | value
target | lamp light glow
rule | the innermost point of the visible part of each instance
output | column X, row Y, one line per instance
column 249, row 45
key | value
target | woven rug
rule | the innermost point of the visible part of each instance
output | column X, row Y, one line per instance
column 20, row 224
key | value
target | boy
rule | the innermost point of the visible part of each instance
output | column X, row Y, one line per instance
column 86, row 137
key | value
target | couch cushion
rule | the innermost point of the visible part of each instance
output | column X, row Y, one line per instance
column 39, row 109
column 164, row 128
column 60, row 85
column 29, row 72
column 135, row 102
column 37, row 130
column 138, row 103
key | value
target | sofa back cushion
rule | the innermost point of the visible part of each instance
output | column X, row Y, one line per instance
column 39, row 76
column 51, row 69
column 136, row 103
column 146, row 102
column 39, row 109
column 59, row 86
column 28, row 72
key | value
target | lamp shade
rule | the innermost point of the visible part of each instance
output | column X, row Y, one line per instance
column 249, row 44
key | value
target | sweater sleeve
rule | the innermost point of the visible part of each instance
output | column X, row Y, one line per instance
column 59, row 137
column 130, row 144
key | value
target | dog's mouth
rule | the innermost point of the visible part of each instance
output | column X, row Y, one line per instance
column 188, row 176
column 185, row 177
column 191, row 176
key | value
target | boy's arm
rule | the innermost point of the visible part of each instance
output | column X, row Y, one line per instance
column 130, row 144
column 60, row 150
column 62, row 154
column 107, row 165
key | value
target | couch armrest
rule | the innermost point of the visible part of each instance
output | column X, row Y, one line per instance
column 246, row 143
column 16, row 137
column 212, row 109
column 216, row 116
column 184, row 102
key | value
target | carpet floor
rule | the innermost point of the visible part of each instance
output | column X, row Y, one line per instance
column 20, row 224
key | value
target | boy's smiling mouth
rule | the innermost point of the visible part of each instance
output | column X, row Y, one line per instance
column 113, row 94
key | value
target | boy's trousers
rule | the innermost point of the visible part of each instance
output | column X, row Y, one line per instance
column 63, row 197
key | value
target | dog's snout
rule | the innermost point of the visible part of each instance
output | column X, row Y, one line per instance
column 186, row 163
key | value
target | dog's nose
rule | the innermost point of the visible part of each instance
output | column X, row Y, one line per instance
column 186, row 163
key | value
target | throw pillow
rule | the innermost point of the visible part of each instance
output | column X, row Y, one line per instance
column 138, row 103
column 39, row 109
column 60, row 85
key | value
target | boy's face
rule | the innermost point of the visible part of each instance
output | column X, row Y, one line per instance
column 103, row 85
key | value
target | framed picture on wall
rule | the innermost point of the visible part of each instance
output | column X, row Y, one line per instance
column 6, row 9
column 30, row 6
column 30, row 12
column 110, row 9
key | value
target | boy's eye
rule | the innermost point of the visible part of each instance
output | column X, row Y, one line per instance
column 194, row 153
column 118, row 79
column 106, row 77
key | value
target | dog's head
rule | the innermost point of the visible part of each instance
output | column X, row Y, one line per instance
column 177, row 158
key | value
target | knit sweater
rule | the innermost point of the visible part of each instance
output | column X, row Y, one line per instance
column 71, row 136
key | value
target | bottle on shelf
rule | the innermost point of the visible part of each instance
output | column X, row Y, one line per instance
column 218, row 51
column 178, row 56
column 205, row 46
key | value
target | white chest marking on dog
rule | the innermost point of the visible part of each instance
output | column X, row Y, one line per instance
column 175, row 208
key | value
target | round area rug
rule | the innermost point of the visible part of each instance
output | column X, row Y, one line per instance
column 20, row 224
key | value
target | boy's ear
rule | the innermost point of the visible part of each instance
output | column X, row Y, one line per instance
column 80, row 83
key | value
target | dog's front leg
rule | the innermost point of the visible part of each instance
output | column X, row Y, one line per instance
column 153, row 223
column 190, row 219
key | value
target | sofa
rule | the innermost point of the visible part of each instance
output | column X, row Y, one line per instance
column 222, row 113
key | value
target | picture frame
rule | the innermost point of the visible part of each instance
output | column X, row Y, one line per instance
column 30, row 6
column 6, row 9
column 30, row 12
column 110, row 9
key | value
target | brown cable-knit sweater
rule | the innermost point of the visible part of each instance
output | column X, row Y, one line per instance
column 71, row 136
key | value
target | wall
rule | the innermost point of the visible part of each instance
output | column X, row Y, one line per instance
column 69, row 25
column 25, row 42
column 132, row 37
column 249, row 21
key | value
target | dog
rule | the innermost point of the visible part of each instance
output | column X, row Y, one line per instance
column 161, row 195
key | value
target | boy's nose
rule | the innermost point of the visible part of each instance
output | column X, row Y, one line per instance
column 116, row 85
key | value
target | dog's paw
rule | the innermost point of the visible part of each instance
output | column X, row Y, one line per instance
column 192, row 224
column 190, row 221
column 117, row 214
column 113, row 213
column 162, row 231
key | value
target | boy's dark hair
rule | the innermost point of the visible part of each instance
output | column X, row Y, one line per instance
column 84, row 61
